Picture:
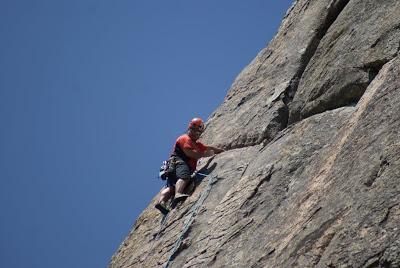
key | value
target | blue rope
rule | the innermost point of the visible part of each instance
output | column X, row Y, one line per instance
column 192, row 214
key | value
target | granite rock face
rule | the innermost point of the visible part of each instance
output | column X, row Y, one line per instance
column 256, row 107
column 311, row 175
column 363, row 38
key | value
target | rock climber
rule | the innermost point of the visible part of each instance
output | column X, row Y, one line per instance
column 186, row 151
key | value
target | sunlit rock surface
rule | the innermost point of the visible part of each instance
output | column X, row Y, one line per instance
column 311, row 175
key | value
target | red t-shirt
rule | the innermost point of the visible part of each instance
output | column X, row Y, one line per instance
column 185, row 142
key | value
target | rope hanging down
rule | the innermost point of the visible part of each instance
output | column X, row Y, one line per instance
column 190, row 217
column 162, row 226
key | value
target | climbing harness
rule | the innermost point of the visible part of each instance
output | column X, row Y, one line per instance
column 168, row 167
column 190, row 217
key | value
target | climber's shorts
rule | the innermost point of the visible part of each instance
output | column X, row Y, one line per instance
column 182, row 171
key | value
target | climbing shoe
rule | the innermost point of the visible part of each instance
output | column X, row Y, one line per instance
column 178, row 199
column 162, row 208
column 180, row 196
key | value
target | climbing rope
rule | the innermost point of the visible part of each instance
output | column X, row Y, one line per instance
column 162, row 226
column 190, row 217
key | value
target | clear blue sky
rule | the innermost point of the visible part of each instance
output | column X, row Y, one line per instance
column 93, row 94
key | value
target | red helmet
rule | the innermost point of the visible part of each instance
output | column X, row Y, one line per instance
column 196, row 123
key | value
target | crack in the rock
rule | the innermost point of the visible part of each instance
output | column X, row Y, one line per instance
column 373, row 68
column 324, row 235
column 334, row 11
column 389, row 32
column 385, row 218
column 349, row 94
column 265, row 178
column 269, row 53
column 248, row 97
column 282, row 120
column 234, row 234
column 377, row 172
column 374, row 261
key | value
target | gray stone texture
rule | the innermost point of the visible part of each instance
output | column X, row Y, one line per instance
column 363, row 38
column 256, row 106
column 311, row 177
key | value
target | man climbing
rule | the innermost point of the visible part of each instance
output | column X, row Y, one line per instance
column 187, row 150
